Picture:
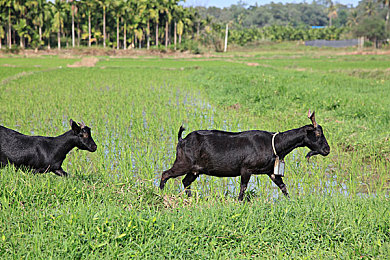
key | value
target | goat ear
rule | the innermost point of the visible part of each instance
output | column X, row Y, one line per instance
column 311, row 116
column 75, row 127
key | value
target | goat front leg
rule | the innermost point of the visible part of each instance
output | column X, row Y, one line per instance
column 277, row 179
column 245, row 176
column 190, row 177
column 60, row 172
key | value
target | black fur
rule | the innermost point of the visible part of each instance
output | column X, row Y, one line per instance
column 40, row 153
column 227, row 154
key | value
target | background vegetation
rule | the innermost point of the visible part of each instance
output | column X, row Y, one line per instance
column 122, row 24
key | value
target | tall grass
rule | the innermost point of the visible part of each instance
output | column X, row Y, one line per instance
column 110, row 206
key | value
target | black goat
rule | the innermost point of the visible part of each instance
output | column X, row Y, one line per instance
column 40, row 153
column 227, row 154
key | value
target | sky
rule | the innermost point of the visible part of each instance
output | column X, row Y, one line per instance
column 227, row 3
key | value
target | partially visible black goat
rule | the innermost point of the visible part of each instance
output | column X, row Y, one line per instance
column 40, row 153
column 227, row 154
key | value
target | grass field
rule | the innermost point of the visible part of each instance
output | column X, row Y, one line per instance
column 110, row 206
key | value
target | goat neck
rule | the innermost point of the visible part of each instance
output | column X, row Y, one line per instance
column 64, row 144
column 287, row 141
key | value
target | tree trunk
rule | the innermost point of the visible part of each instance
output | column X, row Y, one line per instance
column 9, row 29
column 166, row 35
column 40, row 33
column 48, row 41
column 73, row 38
column 156, row 34
column 124, row 36
column 226, row 38
column 198, row 30
column 148, row 36
column 104, row 26
column 174, row 35
column 89, row 29
column 179, row 39
column 59, row 39
column 59, row 33
column 78, row 33
column 117, row 33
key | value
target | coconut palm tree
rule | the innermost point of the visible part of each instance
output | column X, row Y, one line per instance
column 59, row 8
column 2, row 31
column 8, row 6
column 48, row 22
column 105, row 4
column 370, row 8
column 386, row 4
column 352, row 18
column 87, row 7
column 154, row 16
column 38, row 14
column 117, row 7
column 332, row 11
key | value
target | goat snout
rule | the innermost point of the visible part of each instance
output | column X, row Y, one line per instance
column 326, row 151
column 93, row 148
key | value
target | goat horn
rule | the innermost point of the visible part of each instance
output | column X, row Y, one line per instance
column 82, row 125
column 311, row 115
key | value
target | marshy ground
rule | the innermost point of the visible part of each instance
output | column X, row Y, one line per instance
column 111, row 206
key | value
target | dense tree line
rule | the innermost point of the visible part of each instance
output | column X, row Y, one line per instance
column 146, row 23
column 111, row 23
column 277, row 21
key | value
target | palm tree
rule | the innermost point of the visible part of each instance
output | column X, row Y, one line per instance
column 125, row 15
column 105, row 5
column 23, row 30
column 117, row 7
column 167, row 9
column 352, row 18
column 154, row 16
column 87, row 7
column 8, row 4
column 150, row 15
column 332, row 11
column 370, row 8
column 48, row 22
column 59, row 9
column 39, row 15
column 386, row 3
column 2, row 32
column 73, row 7
column 177, row 14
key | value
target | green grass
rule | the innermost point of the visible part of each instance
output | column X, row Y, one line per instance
column 110, row 205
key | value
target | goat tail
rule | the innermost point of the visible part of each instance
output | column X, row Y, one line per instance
column 181, row 130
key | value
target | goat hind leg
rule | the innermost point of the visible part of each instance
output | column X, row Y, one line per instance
column 244, row 184
column 190, row 177
column 60, row 172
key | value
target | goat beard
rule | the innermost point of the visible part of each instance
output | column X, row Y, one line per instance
column 310, row 154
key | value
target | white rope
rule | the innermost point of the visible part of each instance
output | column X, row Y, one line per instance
column 273, row 142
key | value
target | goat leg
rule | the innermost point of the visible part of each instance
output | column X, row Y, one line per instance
column 279, row 182
column 190, row 177
column 60, row 172
column 245, row 176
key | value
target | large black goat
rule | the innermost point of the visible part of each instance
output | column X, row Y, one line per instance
column 227, row 154
column 40, row 153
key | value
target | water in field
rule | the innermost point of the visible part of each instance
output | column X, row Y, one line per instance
column 135, row 113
